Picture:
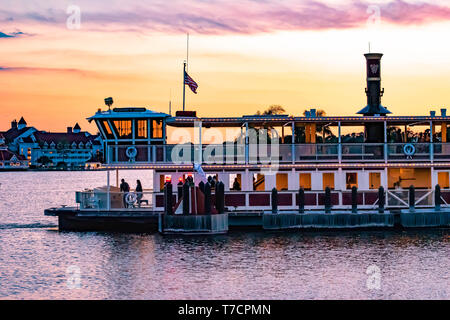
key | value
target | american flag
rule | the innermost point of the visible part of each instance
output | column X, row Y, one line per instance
column 190, row 82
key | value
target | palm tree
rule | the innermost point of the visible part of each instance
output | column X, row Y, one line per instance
column 319, row 113
column 325, row 130
column 272, row 110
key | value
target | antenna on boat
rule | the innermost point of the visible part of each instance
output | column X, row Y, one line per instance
column 369, row 47
column 170, row 102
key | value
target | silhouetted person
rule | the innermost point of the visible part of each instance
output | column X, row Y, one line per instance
column 236, row 185
column 212, row 181
column 125, row 188
column 139, row 192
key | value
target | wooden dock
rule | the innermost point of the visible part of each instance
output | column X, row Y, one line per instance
column 193, row 224
column 322, row 220
column 425, row 218
column 72, row 219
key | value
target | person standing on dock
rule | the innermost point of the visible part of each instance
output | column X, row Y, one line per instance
column 125, row 188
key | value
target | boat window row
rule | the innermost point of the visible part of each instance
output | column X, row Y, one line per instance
column 397, row 178
column 123, row 129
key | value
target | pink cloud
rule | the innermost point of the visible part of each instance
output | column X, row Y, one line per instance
column 229, row 17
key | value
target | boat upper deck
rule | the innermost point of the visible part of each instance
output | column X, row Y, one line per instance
column 134, row 136
column 140, row 137
column 283, row 120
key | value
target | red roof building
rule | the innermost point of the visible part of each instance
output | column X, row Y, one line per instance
column 10, row 160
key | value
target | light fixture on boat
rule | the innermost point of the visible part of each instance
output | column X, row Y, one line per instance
column 109, row 101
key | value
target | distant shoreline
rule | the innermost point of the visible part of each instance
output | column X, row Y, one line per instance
column 46, row 170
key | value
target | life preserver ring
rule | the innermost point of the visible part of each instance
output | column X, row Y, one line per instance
column 409, row 149
column 131, row 152
column 130, row 198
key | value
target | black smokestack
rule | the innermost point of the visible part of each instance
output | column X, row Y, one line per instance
column 373, row 89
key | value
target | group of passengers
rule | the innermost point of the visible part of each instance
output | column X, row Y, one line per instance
column 125, row 189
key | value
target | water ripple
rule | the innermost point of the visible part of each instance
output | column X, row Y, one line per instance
column 38, row 263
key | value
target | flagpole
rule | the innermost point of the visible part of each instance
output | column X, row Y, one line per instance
column 186, row 67
column 187, row 52
column 184, row 85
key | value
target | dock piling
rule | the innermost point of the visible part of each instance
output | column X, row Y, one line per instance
column 186, row 197
column 301, row 200
column 354, row 199
column 381, row 199
column 201, row 186
column 274, row 200
column 437, row 198
column 180, row 190
column 327, row 200
column 168, row 196
column 208, row 198
column 412, row 198
column 220, row 197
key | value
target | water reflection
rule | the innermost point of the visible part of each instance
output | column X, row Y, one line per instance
column 257, row 265
column 34, row 258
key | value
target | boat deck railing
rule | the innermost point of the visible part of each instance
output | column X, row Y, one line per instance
column 278, row 153
column 94, row 200
column 250, row 201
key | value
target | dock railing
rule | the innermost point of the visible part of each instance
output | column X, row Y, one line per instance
column 115, row 201
column 250, row 201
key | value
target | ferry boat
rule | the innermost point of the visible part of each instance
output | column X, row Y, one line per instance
column 277, row 171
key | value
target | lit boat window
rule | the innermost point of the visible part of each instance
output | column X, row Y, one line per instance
column 374, row 180
column 157, row 129
column 351, row 179
column 443, row 179
column 107, row 129
column 123, row 128
column 305, row 181
column 328, row 180
column 141, row 129
column 282, row 181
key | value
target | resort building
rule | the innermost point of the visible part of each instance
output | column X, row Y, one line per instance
column 17, row 138
column 8, row 159
column 71, row 149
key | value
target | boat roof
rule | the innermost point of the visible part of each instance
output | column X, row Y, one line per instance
column 128, row 113
column 273, row 120
column 285, row 120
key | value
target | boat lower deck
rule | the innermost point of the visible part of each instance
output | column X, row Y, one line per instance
column 73, row 219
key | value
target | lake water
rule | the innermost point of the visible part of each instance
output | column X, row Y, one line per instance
column 38, row 262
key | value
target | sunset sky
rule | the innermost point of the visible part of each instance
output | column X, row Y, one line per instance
column 245, row 55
